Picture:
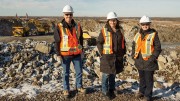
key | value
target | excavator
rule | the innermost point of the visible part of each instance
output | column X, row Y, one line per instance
column 86, row 38
column 25, row 26
column 42, row 26
column 30, row 27
column 20, row 28
column 20, row 31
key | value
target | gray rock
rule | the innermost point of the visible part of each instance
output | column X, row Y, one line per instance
column 44, row 48
column 173, row 54
column 97, row 71
column 129, row 69
column 161, row 58
column 130, row 60
column 169, row 59
column 161, row 65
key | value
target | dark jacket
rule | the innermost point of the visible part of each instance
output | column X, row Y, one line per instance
column 58, row 39
column 151, row 64
column 112, row 63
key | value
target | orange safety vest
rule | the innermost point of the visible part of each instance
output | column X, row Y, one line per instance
column 69, row 44
column 145, row 46
column 107, row 46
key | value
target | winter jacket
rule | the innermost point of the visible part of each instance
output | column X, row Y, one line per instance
column 112, row 63
column 151, row 64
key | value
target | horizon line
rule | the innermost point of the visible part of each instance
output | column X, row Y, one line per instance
column 91, row 16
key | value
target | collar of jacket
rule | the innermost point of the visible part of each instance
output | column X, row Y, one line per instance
column 65, row 24
column 150, row 30
column 110, row 29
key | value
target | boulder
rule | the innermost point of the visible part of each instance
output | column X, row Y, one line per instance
column 169, row 59
column 173, row 54
column 158, row 85
column 161, row 65
column 128, row 68
column 72, row 67
column 86, row 72
column 162, row 58
column 44, row 48
column 130, row 60
column 97, row 71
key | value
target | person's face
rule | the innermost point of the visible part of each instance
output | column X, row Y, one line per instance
column 145, row 26
column 68, row 17
column 113, row 23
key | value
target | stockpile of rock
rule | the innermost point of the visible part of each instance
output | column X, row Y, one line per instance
column 35, row 63
column 6, row 27
column 22, row 62
column 169, row 65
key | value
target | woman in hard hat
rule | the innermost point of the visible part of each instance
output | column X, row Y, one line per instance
column 111, row 45
column 145, row 50
column 69, row 42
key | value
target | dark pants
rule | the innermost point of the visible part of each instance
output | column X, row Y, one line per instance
column 146, row 82
column 108, row 82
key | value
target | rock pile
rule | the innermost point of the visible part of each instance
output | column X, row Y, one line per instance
column 6, row 27
column 35, row 63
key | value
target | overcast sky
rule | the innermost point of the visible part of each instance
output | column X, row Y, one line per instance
column 123, row 8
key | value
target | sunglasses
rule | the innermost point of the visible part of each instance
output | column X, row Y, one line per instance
column 143, row 24
column 68, row 14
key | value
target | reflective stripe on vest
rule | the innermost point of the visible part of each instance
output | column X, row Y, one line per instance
column 107, row 46
column 145, row 46
column 69, row 44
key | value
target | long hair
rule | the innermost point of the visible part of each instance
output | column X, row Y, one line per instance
column 117, row 25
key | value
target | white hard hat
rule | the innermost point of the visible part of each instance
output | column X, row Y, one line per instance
column 144, row 19
column 68, row 8
column 111, row 15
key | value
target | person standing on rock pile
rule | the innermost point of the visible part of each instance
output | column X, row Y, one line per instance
column 146, row 48
column 111, row 46
column 69, row 42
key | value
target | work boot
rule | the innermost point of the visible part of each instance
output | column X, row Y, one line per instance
column 139, row 95
column 112, row 95
column 82, row 90
column 66, row 93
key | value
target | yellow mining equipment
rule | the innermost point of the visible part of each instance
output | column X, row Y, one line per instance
column 86, row 38
column 41, row 26
column 86, row 34
column 20, row 31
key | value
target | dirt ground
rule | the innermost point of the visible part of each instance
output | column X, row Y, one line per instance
column 91, row 96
